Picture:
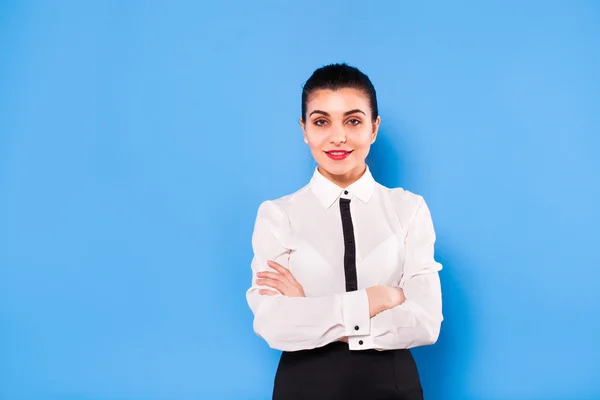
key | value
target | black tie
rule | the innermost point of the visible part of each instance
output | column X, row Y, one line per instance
column 349, row 246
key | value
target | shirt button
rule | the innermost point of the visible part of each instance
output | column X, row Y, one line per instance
column 360, row 342
column 345, row 192
column 356, row 328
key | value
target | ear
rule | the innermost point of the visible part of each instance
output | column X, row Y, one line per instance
column 375, row 129
column 303, row 130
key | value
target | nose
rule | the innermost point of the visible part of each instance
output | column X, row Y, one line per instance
column 338, row 136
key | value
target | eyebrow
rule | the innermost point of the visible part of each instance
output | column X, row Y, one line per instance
column 356, row 110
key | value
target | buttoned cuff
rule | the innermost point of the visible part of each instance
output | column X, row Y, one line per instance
column 355, row 312
column 361, row 342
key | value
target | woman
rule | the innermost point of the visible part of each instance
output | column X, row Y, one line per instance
column 344, row 278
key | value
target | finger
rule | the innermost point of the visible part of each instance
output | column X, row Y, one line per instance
column 273, row 284
column 276, row 276
column 268, row 292
column 283, row 271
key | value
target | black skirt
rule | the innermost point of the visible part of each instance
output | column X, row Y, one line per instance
column 335, row 372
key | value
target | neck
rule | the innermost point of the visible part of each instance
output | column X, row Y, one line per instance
column 346, row 179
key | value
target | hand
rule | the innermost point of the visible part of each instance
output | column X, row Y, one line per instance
column 396, row 296
column 282, row 280
column 382, row 298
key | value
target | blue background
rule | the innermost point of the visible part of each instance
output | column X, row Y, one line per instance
column 137, row 140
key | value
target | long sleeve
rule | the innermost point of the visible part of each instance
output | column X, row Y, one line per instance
column 297, row 323
column 417, row 321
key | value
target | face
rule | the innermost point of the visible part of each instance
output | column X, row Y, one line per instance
column 339, row 131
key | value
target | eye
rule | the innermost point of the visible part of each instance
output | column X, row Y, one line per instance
column 354, row 121
column 320, row 122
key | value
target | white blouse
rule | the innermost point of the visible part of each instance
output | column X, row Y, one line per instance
column 394, row 238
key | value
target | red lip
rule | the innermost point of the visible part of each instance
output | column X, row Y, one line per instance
column 338, row 154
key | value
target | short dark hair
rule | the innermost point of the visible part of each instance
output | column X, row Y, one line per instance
column 339, row 76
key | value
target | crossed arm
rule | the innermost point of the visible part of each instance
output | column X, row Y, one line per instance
column 378, row 317
column 282, row 282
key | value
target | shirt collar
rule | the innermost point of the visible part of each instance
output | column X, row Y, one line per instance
column 328, row 192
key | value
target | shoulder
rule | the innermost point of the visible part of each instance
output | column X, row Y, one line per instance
column 272, row 221
column 405, row 202
column 278, row 209
column 401, row 197
column 404, row 197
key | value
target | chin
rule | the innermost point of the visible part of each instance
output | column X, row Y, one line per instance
column 337, row 168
